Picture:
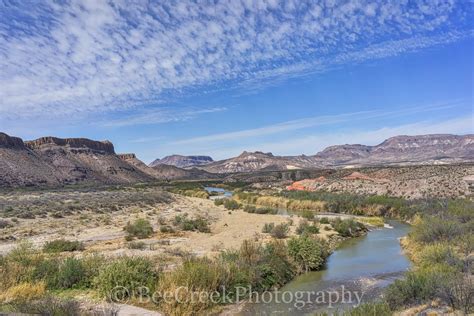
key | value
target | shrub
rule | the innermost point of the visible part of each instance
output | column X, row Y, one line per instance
column 348, row 227
column 71, row 273
column 370, row 309
column 166, row 229
column 274, row 267
column 266, row 210
column 324, row 220
column 280, row 231
column 250, row 209
column 62, row 245
column 219, row 202
column 306, row 228
column 137, row 245
column 195, row 275
column 197, row 224
column 438, row 254
column 308, row 253
column 268, row 227
column 131, row 273
column 23, row 292
column 432, row 229
column 48, row 306
column 307, row 214
column 419, row 286
column 231, row 204
column 140, row 228
column 5, row 224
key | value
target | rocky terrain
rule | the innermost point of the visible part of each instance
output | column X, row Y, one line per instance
column 167, row 172
column 397, row 151
column 182, row 161
column 410, row 182
column 51, row 161
column 252, row 161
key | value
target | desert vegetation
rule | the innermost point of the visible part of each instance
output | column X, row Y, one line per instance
column 29, row 275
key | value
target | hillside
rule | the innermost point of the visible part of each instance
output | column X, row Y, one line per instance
column 52, row 161
column 399, row 150
column 182, row 161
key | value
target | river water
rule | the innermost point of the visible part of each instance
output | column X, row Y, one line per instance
column 358, row 270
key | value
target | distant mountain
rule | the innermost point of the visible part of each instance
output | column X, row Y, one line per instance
column 403, row 150
column 182, row 161
column 52, row 161
column 167, row 172
column 251, row 161
column 399, row 150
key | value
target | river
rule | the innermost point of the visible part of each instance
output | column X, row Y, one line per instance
column 361, row 266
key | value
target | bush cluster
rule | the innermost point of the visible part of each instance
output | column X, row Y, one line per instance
column 348, row 227
column 199, row 224
column 262, row 267
column 141, row 228
column 62, row 245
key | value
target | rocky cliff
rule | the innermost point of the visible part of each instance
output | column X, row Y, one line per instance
column 51, row 161
column 182, row 161
column 105, row 147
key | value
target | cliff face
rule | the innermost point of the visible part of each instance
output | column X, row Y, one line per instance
column 76, row 143
column 182, row 161
column 52, row 161
column 11, row 142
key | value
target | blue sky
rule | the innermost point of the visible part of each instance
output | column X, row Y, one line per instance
column 290, row 77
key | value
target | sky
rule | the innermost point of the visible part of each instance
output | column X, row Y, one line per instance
column 220, row 77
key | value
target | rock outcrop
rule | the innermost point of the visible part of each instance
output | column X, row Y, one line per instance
column 105, row 147
column 182, row 161
column 52, row 161
column 11, row 142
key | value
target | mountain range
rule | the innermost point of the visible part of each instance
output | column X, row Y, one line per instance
column 182, row 161
column 51, row 161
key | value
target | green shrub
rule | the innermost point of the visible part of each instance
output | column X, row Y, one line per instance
column 419, row 286
column 306, row 228
column 370, row 309
column 433, row 229
column 166, row 229
column 62, row 245
column 140, row 228
column 439, row 254
column 219, row 202
column 197, row 224
column 268, row 227
column 61, row 274
column 348, row 227
column 231, row 204
column 250, row 209
column 280, row 231
column 308, row 253
column 195, row 275
column 307, row 214
column 131, row 273
column 324, row 220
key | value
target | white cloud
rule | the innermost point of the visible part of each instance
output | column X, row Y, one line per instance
column 313, row 143
column 83, row 57
column 317, row 121
column 160, row 115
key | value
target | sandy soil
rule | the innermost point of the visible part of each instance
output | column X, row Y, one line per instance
column 104, row 232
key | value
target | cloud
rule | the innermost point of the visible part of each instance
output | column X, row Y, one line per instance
column 315, row 142
column 317, row 121
column 85, row 57
column 160, row 115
